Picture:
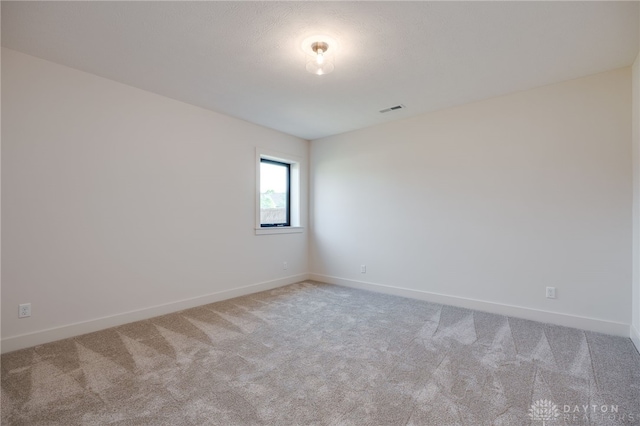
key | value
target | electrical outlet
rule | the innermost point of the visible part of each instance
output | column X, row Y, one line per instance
column 285, row 266
column 551, row 293
column 24, row 310
column 363, row 269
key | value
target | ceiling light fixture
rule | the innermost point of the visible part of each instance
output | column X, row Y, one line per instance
column 319, row 63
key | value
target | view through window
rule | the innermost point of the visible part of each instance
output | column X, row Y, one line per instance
column 275, row 197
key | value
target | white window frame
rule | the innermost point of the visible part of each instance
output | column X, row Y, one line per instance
column 295, row 163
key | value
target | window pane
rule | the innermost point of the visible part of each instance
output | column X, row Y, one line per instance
column 274, row 193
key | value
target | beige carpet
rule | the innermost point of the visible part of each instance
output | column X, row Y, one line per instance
column 320, row 354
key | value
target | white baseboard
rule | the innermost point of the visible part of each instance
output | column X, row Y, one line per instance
column 22, row 341
column 583, row 323
column 635, row 337
column 27, row 340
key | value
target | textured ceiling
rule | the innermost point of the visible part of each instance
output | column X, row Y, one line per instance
column 246, row 59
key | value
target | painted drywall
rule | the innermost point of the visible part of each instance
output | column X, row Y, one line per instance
column 486, row 204
column 0, row 198
column 635, row 282
column 117, row 201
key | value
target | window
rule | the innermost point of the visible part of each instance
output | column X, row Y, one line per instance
column 277, row 193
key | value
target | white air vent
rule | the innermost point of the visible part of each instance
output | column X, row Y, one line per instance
column 393, row 108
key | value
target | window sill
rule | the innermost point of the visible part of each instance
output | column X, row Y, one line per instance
column 280, row 230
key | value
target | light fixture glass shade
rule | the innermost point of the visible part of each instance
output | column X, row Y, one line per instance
column 320, row 69
column 318, row 62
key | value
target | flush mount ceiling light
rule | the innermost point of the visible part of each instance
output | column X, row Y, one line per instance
column 319, row 51
column 320, row 64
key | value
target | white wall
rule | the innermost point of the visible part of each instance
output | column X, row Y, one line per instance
column 116, row 200
column 0, row 200
column 486, row 204
column 635, row 294
column 119, row 204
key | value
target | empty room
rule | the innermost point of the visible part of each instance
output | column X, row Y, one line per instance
column 320, row 213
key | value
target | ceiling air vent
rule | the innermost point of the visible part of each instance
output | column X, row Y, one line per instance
column 393, row 108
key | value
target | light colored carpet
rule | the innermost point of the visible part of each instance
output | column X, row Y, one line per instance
column 319, row 354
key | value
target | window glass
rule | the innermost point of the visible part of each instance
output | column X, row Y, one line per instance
column 275, row 195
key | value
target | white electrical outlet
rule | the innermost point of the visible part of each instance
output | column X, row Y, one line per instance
column 363, row 269
column 551, row 293
column 24, row 310
column 284, row 265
